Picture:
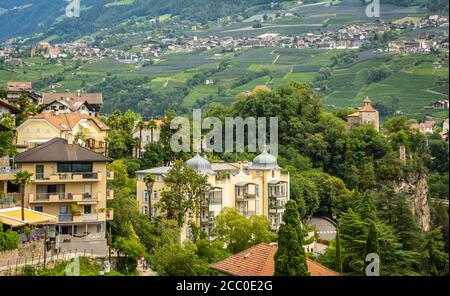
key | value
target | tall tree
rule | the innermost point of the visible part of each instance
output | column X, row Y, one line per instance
column 186, row 191
column 338, row 260
column 290, row 258
column 22, row 178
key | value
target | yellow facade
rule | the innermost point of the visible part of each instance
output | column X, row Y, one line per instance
column 251, row 191
column 79, row 200
column 36, row 131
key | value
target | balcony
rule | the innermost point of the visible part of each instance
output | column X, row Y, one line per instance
column 109, row 214
column 276, row 206
column 83, row 218
column 206, row 220
column 109, row 175
column 81, row 198
column 248, row 213
column 109, row 194
column 68, row 177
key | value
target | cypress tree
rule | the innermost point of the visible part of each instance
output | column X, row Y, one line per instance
column 338, row 261
column 290, row 258
column 372, row 244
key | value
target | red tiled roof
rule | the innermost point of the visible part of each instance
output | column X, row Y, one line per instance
column 18, row 85
column 72, row 97
column 259, row 261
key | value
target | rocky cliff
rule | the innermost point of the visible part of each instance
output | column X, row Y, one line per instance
column 416, row 188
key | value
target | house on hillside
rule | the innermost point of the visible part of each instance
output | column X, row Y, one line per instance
column 41, row 128
column 89, row 103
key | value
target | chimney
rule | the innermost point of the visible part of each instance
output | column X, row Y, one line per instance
column 78, row 93
column 70, row 138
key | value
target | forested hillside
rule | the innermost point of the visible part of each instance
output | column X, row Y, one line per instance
column 40, row 16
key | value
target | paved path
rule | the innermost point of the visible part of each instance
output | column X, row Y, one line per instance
column 147, row 272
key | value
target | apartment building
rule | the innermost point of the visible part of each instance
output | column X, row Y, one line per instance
column 70, row 182
column 90, row 131
column 259, row 187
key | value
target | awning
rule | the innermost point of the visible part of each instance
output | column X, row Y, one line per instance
column 276, row 182
column 13, row 217
column 242, row 183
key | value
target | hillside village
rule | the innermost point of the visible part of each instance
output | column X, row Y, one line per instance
column 103, row 164
column 354, row 36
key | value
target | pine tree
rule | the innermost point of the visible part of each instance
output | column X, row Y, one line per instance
column 338, row 252
column 290, row 258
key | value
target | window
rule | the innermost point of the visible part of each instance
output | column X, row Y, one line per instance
column 39, row 209
column 257, row 207
column 39, row 171
column 74, row 167
column 63, row 210
column 257, row 190
column 87, row 209
column 145, row 197
column 61, row 107
column 155, row 194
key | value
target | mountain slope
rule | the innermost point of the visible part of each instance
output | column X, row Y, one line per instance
column 41, row 15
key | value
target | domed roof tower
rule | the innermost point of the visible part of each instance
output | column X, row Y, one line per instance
column 200, row 165
column 264, row 161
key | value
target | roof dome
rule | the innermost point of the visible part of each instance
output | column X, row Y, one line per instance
column 264, row 161
column 200, row 164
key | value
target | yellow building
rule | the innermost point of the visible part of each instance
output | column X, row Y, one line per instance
column 69, row 182
column 43, row 127
column 365, row 115
column 256, row 188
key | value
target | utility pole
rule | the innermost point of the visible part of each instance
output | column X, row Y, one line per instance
column 45, row 243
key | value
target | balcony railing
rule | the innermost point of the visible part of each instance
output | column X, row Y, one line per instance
column 65, row 218
column 90, row 217
column 248, row 213
column 46, row 196
column 276, row 206
column 63, row 197
column 82, row 176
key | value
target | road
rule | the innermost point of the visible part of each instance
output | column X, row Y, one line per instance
column 325, row 228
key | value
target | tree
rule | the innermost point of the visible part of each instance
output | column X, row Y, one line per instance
column 338, row 260
column 149, row 180
column 372, row 243
column 140, row 125
column 233, row 229
column 179, row 260
column 22, row 178
column 290, row 258
column 186, row 191
column 435, row 259
column 131, row 247
column 151, row 125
